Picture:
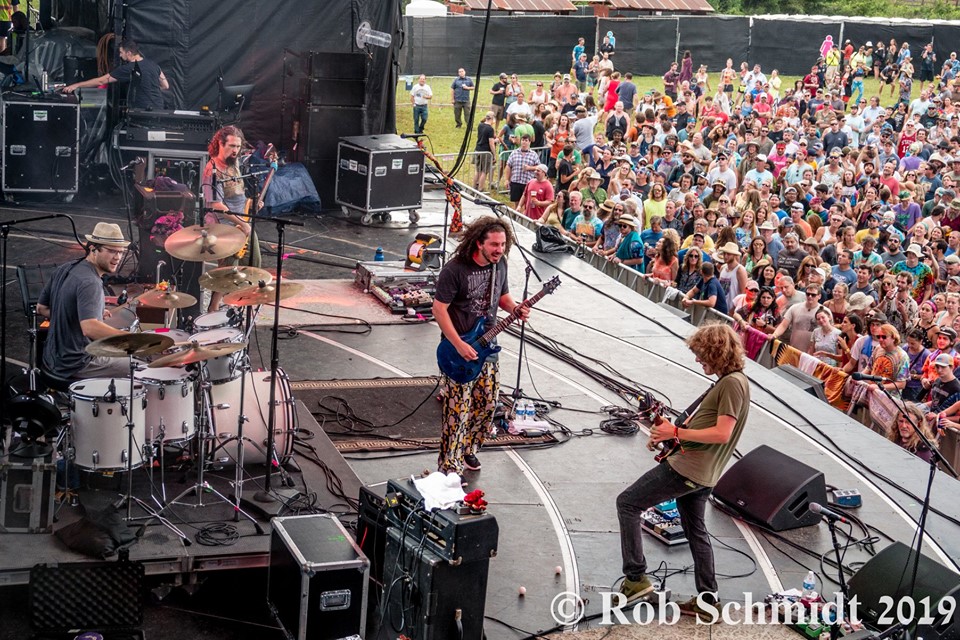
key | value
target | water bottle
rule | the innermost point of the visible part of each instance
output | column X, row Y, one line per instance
column 809, row 587
column 378, row 256
column 531, row 411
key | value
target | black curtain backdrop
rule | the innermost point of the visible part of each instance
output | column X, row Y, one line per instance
column 193, row 39
column 917, row 35
column 946, row 39
column 713, row 39
column 645, row 46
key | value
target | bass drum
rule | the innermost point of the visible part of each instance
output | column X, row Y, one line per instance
column 256, row 401
column 98, row 418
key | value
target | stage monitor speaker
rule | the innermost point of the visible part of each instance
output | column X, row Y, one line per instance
column 889, row 574
column 424, row 593
column 808, row 383
column 772, row 489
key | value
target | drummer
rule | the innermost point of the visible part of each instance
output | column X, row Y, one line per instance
column 73, row 300
column 223, row 191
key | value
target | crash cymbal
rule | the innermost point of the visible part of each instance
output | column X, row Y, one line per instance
column 197, row 353
column 265, row 294
column 231, row 279
column 167, row 299
column 205, row 242
column 129, row 344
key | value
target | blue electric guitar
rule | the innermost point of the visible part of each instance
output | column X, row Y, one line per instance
column 459, row 370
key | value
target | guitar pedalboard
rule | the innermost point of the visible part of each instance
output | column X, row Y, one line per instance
column 663, row 523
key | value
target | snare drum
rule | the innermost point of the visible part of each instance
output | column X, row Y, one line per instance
column 174, row 334
column 170, row 403
column 217, row 320
column 224, row 368
column 256, row 400
column 124, row 319
column 99, row 423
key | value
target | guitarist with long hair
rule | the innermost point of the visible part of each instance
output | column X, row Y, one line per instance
column 703, row 439
column 472, row 285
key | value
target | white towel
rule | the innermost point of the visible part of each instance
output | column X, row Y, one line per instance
column 440, row 491
column 808, row 363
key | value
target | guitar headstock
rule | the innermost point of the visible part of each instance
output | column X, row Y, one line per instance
column 551, row 285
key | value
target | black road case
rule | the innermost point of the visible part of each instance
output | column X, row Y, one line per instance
column 317, row 579
column 40, row 145
column 379, row 173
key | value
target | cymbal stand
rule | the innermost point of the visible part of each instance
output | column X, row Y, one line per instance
column 130, row 498
column 203, row 435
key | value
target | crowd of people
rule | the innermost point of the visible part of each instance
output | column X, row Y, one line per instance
column 813, row 214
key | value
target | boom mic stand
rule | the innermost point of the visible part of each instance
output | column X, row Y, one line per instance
column 925, row 509
column 517, row 393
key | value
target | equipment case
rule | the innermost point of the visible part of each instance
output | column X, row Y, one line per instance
column 41, row 140
column 26, row 494
column 379, row 173
column 317, row 579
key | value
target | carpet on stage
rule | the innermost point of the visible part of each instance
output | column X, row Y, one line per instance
column 385, row 414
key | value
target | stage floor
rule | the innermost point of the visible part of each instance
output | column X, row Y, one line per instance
column 556, row 505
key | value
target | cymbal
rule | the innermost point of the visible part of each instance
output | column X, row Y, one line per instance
column 197, row 353
column 230, row 279
column 129, row 344
column 262, row 295
column 205, row 242
column 167, row 299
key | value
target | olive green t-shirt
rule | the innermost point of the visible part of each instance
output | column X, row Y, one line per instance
column 704, row 463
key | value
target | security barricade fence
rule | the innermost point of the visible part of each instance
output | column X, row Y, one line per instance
column 647, row 44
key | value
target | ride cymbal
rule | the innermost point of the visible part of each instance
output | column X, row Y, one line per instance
column 232, row 279
column 167, row 299
column 262, row 294
column 205, row 242
column 197, row 353
column 129, row 344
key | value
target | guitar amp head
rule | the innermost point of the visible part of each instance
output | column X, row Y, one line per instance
column 185, row 169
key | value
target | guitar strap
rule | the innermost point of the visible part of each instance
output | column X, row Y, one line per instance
column 492, row 306
column 687, row 413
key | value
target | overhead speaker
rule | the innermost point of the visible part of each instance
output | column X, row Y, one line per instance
column 772, row 489
column 889, row 574
column 813, row 386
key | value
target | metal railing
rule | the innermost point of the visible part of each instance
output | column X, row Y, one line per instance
column 494, row 179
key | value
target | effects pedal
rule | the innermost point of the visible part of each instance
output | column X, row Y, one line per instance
column 663, row 523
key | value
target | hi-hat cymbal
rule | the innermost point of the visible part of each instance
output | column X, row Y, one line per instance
column 205, row 242
column 265, row 294
column 197, row 353
column 231, row 279
column 167, row 299
column 129, row 344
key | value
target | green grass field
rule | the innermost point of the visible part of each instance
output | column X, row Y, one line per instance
column 445, row 138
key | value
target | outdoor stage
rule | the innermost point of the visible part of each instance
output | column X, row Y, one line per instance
column 555, row 504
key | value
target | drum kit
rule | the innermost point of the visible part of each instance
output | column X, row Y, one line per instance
column 192, row 391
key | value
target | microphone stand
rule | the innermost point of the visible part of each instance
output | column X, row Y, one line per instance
column 267, row 496
column 494, row 206
column 925, row 508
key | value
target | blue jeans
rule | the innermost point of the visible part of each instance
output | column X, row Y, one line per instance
column 655, row 486
column 419, row 117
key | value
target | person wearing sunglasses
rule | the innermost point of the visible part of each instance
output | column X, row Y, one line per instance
column 890, row 361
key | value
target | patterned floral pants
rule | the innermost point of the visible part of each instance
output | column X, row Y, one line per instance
column 467, row 414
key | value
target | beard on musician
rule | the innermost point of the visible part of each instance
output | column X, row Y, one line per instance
column 697, row 446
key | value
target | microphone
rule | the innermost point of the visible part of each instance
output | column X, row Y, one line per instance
column 122, row 298
column 869, row 378
column 830, row 515
column 413, row 135
column 133, row 163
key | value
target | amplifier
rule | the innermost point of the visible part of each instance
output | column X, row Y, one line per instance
column 40, row 145
column 455, row 537
column 186, row 169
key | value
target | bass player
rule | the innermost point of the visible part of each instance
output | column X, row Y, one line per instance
column 472, row 285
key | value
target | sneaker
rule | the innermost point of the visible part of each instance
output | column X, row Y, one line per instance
column 692, row 608
column 636, row 589
column 470, row 461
